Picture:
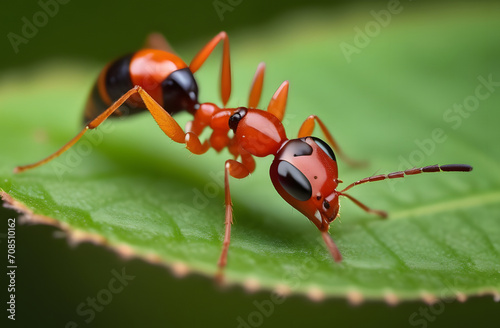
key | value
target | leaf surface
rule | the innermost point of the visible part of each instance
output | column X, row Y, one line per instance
column 393, row 102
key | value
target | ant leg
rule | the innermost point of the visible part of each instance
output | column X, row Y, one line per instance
column 93, row 124
column 200, row 58
column 382, row 214
column 277, row 105
column 332, row 247
column 194, row 145
column 19, row 169
column 168, row 125
column 256, row 89
column 307, row 129
column 247, row 160
column 157, row 41
column 239, row 171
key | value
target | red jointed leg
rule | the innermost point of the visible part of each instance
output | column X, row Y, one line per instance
column 256, row 89
column 238, row 171
column 380, row 213
column 200, row 58
column 330, row 244
column 166, row 123
column 307, row 129
column 157, row 41
column 93, row 124
column 277, row 105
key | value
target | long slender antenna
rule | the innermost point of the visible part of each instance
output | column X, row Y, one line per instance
column 402, row 174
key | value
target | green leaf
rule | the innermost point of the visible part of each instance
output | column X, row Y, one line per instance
column 411, row 95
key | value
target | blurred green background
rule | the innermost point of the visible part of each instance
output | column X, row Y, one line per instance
column 54, row 277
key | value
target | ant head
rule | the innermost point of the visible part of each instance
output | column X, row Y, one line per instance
column 258, row 132
column 304, row 172
column 180, row 91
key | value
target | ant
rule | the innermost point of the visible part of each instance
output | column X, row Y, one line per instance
column 304, row 171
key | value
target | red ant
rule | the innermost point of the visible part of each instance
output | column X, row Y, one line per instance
column 304, row 170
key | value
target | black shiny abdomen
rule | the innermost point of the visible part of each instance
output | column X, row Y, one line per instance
column 117, row 82
column 117, row 79
column 179, row 89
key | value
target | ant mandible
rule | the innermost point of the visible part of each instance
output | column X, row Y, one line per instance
column 304, row 170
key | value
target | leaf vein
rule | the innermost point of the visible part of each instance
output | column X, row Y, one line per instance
column 455, row 204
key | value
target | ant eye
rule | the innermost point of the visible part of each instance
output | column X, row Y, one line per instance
column 325, row 147
column 296, row 148
column 293, row 181
column 236, row 117
column 299, row 148
column 326, row 205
